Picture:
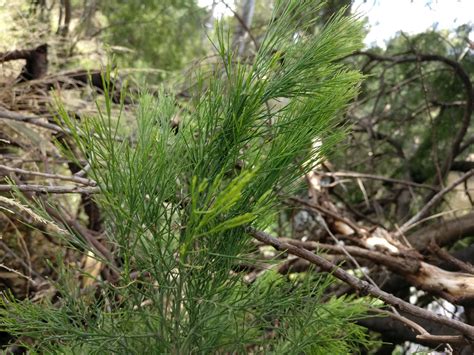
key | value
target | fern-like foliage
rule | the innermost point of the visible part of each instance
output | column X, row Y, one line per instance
column 177, row 206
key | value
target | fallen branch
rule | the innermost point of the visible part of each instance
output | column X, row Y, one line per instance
column 358, row 230
column 424, row 335
column 364, row 288
column 444, row 255
column 77, row 179
column 8, row 115
column 444, row 233
column 4, row 114
column 66, row 189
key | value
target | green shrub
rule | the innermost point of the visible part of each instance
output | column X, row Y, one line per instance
column 177, row 206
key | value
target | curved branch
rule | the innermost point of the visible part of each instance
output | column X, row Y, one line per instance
column 363, row 287
column 463, row 76
column 395, row 331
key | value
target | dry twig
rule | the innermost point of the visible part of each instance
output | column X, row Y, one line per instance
column 361, row 286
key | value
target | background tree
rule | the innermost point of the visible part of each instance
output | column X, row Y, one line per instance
column 156, row 34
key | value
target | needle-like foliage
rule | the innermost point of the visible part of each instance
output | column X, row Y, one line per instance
column 177, row 205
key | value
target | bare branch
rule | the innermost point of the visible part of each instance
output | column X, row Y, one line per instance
column 77, row 179
column 354, row 175
column 433, row 202
column 50, row 189
column 456, row 147
column 424, row 335
column 32, row 120
column 361, row 286
column 443, row 254
column 352, row 225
